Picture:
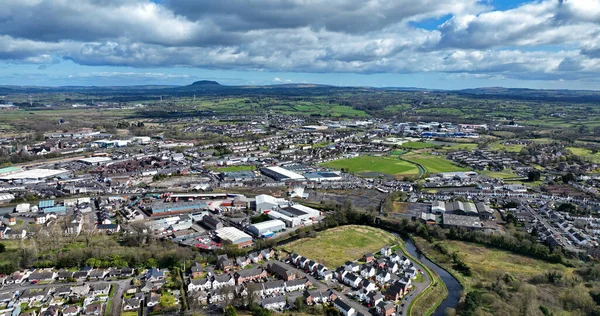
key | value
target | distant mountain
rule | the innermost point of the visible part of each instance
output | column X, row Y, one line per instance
column 206, row 83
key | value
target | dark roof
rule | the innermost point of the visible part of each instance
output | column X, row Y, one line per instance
column 342, row 304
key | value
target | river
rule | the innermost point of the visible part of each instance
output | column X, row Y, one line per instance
column 454, row 288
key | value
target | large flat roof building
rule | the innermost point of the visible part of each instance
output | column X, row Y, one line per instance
column 469, row 222
column 234, row 236
column 34, row 174
column 281, row 174
column 272, row 226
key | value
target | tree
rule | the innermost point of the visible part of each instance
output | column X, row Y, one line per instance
column 2, row 248
column 534, row 175
column 230, row 311
column 568, row 177
column 167, row 300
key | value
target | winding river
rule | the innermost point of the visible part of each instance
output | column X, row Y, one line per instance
column 453, row 286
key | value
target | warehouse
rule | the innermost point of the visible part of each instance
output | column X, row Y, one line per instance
column 6, row 197
column 323, row 176
column 289, row 221
column 300, row 211
column 159, row 209
column 95, row 160
column 34, row 174
column 234, row 236
column 468, row 222
column 266, row 228
column 281, row 174
column 462, row 208
column 266, row 202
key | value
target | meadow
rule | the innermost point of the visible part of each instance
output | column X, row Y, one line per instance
column 369, row 164
column 432, row 163
column 335, row 246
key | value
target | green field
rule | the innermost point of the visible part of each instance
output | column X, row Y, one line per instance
column 499, row 146
column 370, row 164
column 504, row 174
column 417, row 145
column 432, row 163
column 335, row 246
column 585, row 153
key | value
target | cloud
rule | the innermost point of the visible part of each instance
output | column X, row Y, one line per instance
column 279, row 80
column 547, row 39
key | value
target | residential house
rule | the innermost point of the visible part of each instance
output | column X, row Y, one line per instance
column 248, row 275
column 368, row 271
column 42, row 276
column 101, row 289
column 382, row 277
column 385, row 251
column 273, row 287
column 80, row 290
column 321, row 269
column 64, row 275
column 224, row 263
column 52, row 310
column 368, row 285
column 375, row 298
column 267, row 254
column 221, row 294
column 153, row 300
column 352, row 266
column 255, row 257
column 352, row 280
column 242, row 261
column 368, row 257
column 221, row 280
column 396, row 291
column 276, row 303
column 203, row 284
column 297, row 285
column 196, row 270
column 72, row 310
column 93, row 309
column 62, row 291
column 133, row 303
column 393, row 267
column 410, row 273
column 384, row 308
column 281, row 272
column 343, row 308
column 98, row 274
column 155, row 274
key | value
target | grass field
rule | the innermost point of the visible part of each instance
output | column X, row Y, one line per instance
column 504, row 174
column 485, row 263
column 499, row 146
column 417, row 145
column 368, row 164
column 335, row 246
column 585, row 153
column 432, row 163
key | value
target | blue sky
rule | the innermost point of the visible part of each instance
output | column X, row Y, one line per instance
column 446, row 44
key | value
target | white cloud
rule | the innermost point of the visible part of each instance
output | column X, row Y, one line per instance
column 309, row 36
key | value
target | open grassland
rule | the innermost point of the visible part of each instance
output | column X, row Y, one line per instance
column 512, row 284
column 417, row 145
column 504, row 174
column 432, row 163
column 585, row 153
column 369, row 164
column 499, row 146
column 335, row 246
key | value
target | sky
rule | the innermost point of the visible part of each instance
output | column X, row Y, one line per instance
column 441, row 44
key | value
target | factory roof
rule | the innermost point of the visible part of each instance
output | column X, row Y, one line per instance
column 34, row 174
column 268, row 224
column 232, row 234
column 284, row 172
column 95, row 159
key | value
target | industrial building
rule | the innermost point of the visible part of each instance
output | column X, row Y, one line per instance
column 266, row 203
column 461, row 208
column 468, row 222
column 323, row 176
column 295, row 215
column 159, row 209
column 95, row 160
column 6, row 197
column 266, row 229
column 281, row 174
column 234, row 236
column 33, row 174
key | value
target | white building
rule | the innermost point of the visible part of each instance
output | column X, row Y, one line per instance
column 271, row 226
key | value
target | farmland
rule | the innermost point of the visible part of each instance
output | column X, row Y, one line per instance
column 417, row 145
column 432, row 163
column 368, row 166
column 338, row 245
column 585, row 154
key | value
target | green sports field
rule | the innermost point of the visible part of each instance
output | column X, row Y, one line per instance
column 417, row 145
column 365, row 165
column 432, row 163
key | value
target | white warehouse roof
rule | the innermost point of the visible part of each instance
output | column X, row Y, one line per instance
column 268, row 224
column 286, row 173
column 232, row 234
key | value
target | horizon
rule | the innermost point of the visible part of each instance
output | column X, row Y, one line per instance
column 446, row 44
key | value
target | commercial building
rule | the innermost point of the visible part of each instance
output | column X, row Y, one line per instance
column 160, row 209
column 6, row 197
column 281, row 174
column 323, row 176
column 462, row 208
column 300, row 211
column 234, row 236
column 95, row 160
column 266, row 203
column 468, row 222
column 266, row 228
column 34, row 174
